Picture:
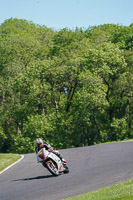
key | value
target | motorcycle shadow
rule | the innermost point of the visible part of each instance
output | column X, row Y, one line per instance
column 34, row 178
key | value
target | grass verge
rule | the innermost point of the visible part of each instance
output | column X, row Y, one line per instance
column 7, row 159
column 122, row 191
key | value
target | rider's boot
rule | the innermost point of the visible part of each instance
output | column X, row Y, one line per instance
column 64, row 163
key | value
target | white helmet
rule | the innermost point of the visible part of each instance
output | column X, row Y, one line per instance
column 39, row 141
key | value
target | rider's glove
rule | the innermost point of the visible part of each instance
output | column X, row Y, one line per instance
column 50, row 149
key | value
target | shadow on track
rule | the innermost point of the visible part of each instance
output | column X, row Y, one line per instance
column 34, row 178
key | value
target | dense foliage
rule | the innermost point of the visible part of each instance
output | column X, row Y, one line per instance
column 70, row 87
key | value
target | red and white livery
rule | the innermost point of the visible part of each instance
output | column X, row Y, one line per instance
column 52, row 162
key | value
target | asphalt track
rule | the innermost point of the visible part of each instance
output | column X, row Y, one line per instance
column 91, row 168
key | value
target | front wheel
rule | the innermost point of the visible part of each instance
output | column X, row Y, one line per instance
column 52, row 168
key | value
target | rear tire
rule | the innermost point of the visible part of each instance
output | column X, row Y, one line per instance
column 66, row 170
column 52, row 168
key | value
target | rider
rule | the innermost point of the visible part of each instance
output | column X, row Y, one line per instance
column 40, row 144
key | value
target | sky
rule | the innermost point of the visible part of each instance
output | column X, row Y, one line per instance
column 59, row 14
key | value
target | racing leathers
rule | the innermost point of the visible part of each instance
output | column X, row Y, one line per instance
column 50, row 149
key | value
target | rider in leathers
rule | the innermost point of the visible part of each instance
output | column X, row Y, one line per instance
column 40, row 144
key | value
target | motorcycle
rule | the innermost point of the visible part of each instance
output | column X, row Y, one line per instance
column 52, row 162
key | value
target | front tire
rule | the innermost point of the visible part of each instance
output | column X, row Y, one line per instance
column 52, row 168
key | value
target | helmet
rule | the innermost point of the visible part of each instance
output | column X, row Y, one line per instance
column 39, row 141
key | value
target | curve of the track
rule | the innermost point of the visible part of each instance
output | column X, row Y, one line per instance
column 91, row 168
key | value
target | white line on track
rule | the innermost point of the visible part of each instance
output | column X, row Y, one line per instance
column 22, row 156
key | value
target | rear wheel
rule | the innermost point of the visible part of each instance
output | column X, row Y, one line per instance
column 52, row 168
column 66, row 169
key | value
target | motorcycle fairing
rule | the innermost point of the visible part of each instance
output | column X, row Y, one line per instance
column 45, row 156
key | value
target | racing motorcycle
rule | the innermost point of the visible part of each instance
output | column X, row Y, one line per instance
column 52, row 162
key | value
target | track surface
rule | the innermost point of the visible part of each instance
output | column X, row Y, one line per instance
column 91, row 168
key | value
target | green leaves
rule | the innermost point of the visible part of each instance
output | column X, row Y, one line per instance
column 70, row 87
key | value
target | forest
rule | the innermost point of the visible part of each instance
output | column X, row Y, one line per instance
column 72, row 88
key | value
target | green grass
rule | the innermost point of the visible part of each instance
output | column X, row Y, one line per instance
column 122, row 191
column 126, row 140
column 7, row 159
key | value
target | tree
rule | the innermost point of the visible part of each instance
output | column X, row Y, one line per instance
column 70, row 87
